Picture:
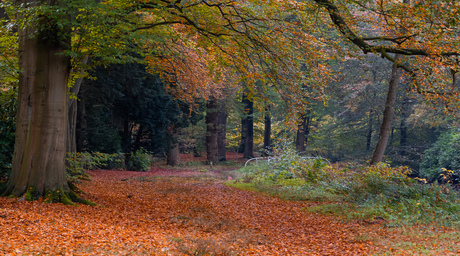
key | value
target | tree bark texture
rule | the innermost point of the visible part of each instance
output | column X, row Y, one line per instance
column 369, row 131
column 212, row 114
column 248, row 128
column 71, row 128
column 39, row 161
column 39, row 157
column 243, row 136
column 173, row 156
column 303, row 130
column 385, row 128
column 222, row 131
column 81, row 126
column 267, row 132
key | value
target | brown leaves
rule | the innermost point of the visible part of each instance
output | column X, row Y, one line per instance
column 167, row 212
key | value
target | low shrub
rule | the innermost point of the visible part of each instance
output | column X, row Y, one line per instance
column 77, row 163
column 139, row 161
column 359, row 191
column 445, row 153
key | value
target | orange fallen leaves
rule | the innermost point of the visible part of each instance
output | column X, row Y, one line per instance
column 167, row 212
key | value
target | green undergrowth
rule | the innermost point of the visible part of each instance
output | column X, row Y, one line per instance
column 354, row 191
column 203, row 166
column 78, row 163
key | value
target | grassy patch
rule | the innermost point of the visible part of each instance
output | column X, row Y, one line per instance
column 358, row 192
column 420, row 219
column 242, row 186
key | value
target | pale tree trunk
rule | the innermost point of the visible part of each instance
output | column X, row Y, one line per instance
column 222, row 131
column 38, row 167
column 212, row 156
column 81, row 134
column 173, row 156
column 385, row 128
column 71, row 124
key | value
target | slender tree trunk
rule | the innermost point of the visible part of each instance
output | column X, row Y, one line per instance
column 71, row 125
column 137, row 141
column 212, row 156
column 300, row 139
column 38, row 167
column 249, row 127
column 173, row 156
column 303, row 129
column 81, row 133
column 267, row 132
column 222, row 131
column 369, row 131
column 403, row 126
column 243, row 130
column 385, row 128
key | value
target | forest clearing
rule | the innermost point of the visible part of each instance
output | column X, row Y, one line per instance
column 190, row 211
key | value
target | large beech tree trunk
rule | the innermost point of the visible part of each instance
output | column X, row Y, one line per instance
column 212, row 120
column 385, row 128
column 39, row 157
column 38, row 167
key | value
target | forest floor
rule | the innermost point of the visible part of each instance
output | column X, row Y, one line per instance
column 190, row 212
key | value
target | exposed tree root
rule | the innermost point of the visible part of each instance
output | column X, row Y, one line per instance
column 67, row 196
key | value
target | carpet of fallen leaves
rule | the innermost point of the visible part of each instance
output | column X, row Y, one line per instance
column 170, row 212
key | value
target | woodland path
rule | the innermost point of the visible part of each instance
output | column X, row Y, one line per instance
column 168, row 212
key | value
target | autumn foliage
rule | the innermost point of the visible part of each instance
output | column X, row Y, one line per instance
column 166, row 212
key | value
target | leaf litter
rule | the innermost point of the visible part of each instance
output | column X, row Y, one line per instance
column 170, row 212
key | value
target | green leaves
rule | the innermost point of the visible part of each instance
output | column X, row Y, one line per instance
column 8, row 105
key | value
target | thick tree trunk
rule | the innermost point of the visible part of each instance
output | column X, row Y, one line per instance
column 39, row 157
column 300, row 138
column 173, row 156
column 248, row 128
column 222, row 131
column 303, row 130
column 212, row 156
column 38, row 167
column 267, row 132
column 385, row 128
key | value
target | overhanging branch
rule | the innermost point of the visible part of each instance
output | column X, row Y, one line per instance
column 345, row 30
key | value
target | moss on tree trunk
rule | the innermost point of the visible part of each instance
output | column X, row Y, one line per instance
column 38, row 166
